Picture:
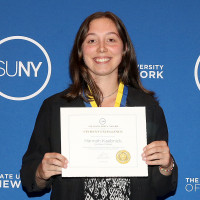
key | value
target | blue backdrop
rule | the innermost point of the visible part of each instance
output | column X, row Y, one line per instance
column 166, row 36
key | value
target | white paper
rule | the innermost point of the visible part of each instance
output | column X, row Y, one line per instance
column 92, row 140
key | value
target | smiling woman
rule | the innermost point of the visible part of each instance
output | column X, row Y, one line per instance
column 103, row 49
column 104, row 73
column 102, row 54
column 80, row 73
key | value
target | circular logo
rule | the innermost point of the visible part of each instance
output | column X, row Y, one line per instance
column 196, row 72
column 102, row 121
column 24, row 71
column 123, row 156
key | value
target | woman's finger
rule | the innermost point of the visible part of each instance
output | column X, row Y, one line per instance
column 56, row 156
column 155, row 144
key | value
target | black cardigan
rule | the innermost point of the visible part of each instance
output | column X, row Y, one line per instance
column 46, row 138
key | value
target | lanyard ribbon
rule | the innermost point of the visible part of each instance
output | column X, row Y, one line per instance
column 120, row 100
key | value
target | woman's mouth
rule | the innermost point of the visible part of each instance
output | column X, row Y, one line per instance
column 102, row 60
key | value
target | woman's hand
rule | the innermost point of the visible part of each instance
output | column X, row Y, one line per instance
column 158, row 153
column 52, row 164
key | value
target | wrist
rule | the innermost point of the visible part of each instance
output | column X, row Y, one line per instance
column 40, row 182
column 38, row 174
column 169, row 168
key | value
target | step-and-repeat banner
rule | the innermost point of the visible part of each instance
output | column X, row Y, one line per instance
column 36, row 38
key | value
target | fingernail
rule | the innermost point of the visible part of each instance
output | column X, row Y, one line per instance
column 144, row 158
column 65, row 166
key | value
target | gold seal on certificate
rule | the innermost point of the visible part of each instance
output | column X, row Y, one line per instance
column 123, row 156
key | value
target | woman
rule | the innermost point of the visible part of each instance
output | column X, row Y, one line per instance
column 102, row 64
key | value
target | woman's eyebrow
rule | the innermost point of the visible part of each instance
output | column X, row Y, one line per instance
column 109, row 33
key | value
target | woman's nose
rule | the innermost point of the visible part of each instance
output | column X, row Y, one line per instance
column 102, row 47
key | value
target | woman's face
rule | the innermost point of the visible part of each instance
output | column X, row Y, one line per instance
column 102, row 48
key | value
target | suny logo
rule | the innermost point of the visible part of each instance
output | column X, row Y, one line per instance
column 25, row 68
column 196, row 72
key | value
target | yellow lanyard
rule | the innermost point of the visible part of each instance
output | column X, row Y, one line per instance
column 118, row 99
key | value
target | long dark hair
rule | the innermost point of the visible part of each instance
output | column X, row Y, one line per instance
column 128, row 71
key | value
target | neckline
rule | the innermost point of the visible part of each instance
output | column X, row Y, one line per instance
column 120, row 99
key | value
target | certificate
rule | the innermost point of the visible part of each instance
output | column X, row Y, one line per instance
column 103, row 142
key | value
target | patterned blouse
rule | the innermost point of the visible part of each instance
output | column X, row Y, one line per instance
column 107, row 189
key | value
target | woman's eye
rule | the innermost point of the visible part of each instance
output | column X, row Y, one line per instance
column 111, row 40
column 91, row 41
